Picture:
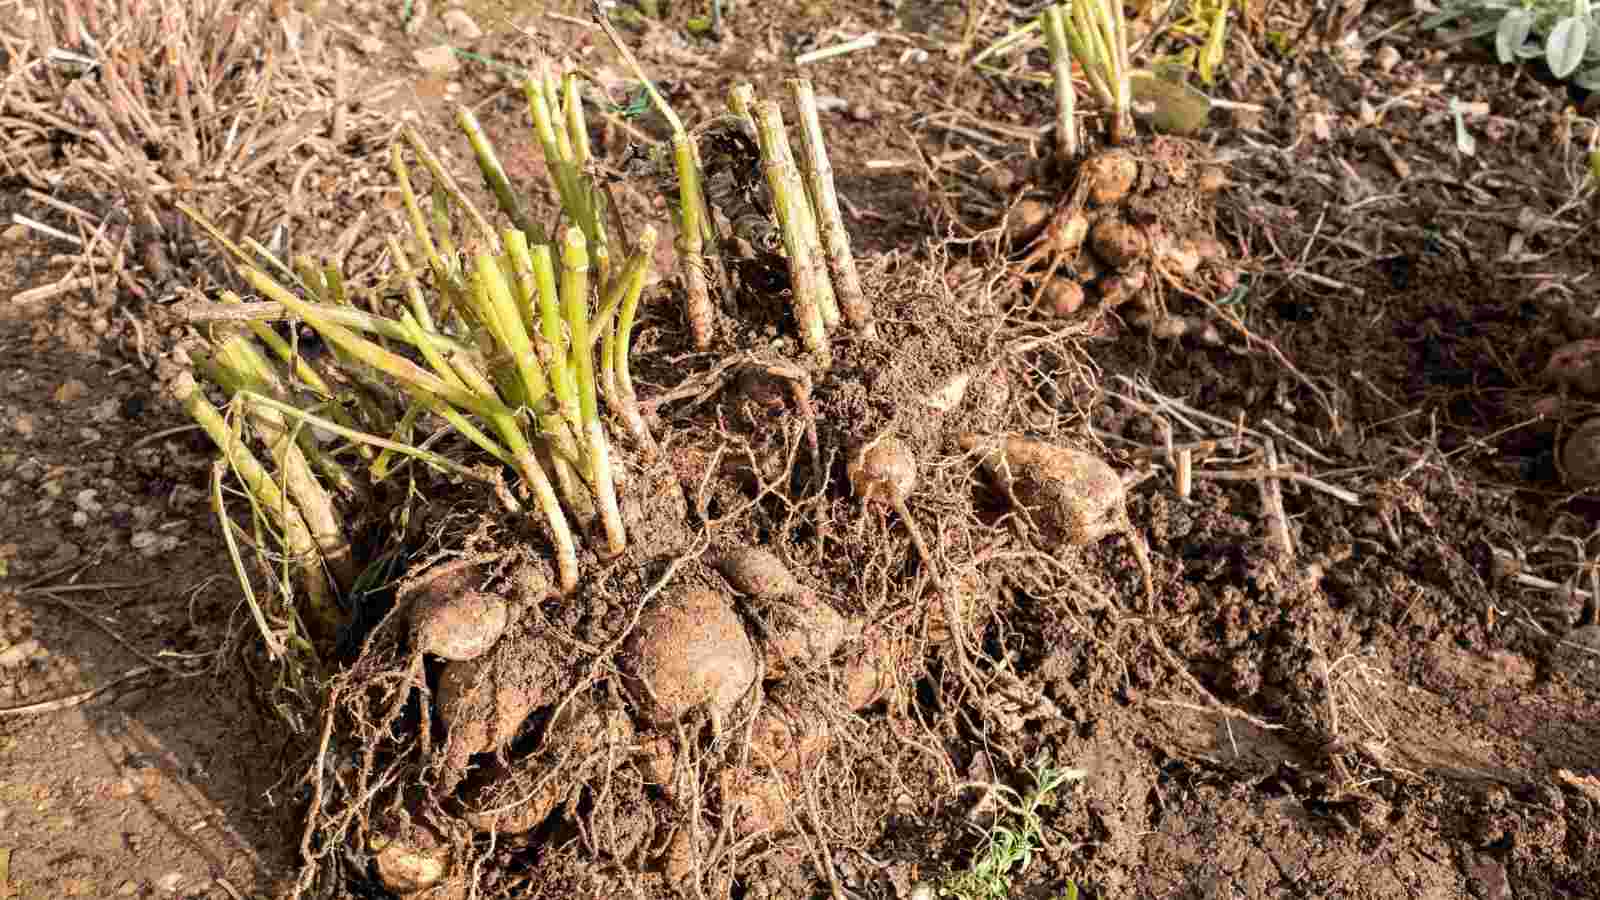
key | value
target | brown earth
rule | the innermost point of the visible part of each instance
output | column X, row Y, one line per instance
column 1387, row 711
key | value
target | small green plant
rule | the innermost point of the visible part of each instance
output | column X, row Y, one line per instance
column 1013, row 838
column 1565, row 33
column 1206, row 22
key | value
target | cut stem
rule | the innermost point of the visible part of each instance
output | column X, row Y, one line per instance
column 825, row 201
column 1066, row 94
column 789, row 196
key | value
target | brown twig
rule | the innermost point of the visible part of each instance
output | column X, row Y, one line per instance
column 71, row 700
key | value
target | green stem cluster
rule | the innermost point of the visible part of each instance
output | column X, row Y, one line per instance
column 1096, row 34
column 502, row 347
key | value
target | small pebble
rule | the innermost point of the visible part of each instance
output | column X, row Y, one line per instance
column 17, row 654
column 437, row 59
column 70, row 391
column 1387, row 58
column 460, row 25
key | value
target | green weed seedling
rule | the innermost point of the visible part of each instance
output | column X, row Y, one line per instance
column 1013, row 838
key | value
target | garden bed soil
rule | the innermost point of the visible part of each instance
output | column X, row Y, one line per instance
column 1382, row 710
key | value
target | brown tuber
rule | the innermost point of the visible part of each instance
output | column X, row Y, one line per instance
column 801, row 629
column 1576, row 366
column 1173, row 327
column 689, row 651
column 1062, row 298
column 1211, row 180
column 450, row 618
column 868, row 674
column 1071, row 497
column 1580, row 455
column 1067, row 234
column 754, row 571
column 407, row 870
column 512, row 799
column 1110, row 176
column 484, row 701
column 884, row 471
column 410, row 856
column 1118, row 244
column 1122, row 287
column 1026, row 220
column 789, row 737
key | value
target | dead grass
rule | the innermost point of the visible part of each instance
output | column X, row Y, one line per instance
column 125, row 107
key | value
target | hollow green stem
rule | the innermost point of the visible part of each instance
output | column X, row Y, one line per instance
column 1066, row 94
column 494, row 175
column 322, row 613
column 575, row 303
